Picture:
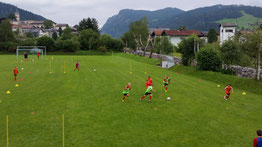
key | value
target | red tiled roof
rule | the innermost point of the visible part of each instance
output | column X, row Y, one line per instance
column 181, row 32
column 158, row 32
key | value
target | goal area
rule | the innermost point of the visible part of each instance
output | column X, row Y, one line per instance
column 31, row 50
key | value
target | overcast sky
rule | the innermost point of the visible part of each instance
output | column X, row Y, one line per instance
column 72, row 11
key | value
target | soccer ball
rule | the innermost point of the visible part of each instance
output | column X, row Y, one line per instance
column 94, row 70
column 22, row 68
column 168, row 98
column 33, row 60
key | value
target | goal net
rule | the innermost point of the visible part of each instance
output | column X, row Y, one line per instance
column 30, row 50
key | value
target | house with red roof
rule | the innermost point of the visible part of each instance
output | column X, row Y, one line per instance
column 176, row 36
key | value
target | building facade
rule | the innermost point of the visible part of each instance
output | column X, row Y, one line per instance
column 227, row 31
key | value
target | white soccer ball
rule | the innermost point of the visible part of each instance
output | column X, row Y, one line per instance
column 94, row 70
column 22, row 68
column 168, row 98
column 33, row 60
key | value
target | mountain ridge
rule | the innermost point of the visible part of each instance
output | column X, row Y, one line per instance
column 201, row 19
column 6, row 9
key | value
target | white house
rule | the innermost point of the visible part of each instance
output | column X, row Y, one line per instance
column 227, row 31
column 176, row 36
column 62, row 26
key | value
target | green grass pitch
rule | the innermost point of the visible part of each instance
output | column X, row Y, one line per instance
column 197, row 115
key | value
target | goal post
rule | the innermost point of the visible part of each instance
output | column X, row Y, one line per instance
column 30, row 50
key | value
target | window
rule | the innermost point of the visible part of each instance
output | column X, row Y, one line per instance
column 229, row 31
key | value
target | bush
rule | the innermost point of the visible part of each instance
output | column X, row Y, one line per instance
column 8, row 46
column 46, row 41
column 28, row 42
column 88, row 39
column 208, row 59
column 230, row 52
column 186, row 47
column 102, row 49
column 228, row 71
column 68, row 45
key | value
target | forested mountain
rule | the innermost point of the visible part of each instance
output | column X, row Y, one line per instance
column 200, row 19
column 118, row 24
column 6, row 9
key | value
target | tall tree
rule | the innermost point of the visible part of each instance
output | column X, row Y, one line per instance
column 230, row 52
column 67, row 33
column 212, row 36
column 60, row 31
column 54, row 36
column 89, row 39
column 48, row 24
column 89, row 23
column 189, row 47
column 252, row 44
column 6, row 33
column 140, row 33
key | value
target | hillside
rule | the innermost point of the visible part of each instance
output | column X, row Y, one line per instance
column 200, row 19
column 6, row 9
column 118, row 24
column 244, row 21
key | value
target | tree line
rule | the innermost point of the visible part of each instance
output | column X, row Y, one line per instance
column 243, row 50
column 87, row 37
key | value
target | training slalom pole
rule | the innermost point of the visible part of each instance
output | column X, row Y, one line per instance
column 64, row 67
column 63, row 130
column 7, row 139
column 50, row 66
column 130, row 69
column 145, row 68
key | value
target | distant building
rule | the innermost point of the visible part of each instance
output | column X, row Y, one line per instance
column 227, row 31
column 151, row 30
column 17, row 15
column 62, row 26
column 176, row 36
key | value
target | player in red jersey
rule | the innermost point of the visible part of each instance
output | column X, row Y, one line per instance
column 149, row 82
column 15, row 72
column 38, row 55
column 77, row 65
column 228, row 91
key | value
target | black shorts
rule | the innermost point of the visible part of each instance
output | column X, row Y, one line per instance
column 148, row 93
column 15, row 75
column 166, row 84
column 228, row 94
column 26, row 56
column 126, row 94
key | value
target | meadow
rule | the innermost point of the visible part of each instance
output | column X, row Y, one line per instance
column 94, row 114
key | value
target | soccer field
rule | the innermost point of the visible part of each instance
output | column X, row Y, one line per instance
column 94, row 114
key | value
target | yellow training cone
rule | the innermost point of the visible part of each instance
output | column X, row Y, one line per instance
column 244, row 93
column 16, row 85
column 218, row 86
column 8, row 92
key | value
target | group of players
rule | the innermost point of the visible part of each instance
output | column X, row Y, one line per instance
column 166, row 82
column 149, row 89
column 127, row 89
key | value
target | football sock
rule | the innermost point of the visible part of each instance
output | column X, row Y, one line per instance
column 143, row 97
column 150, row 98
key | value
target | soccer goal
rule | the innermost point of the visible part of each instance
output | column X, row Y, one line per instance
column 30, row 50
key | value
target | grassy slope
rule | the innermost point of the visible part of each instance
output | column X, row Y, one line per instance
column 242, row 21
column 95, row 115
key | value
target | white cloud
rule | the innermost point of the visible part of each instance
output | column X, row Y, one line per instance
column 72, row 11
